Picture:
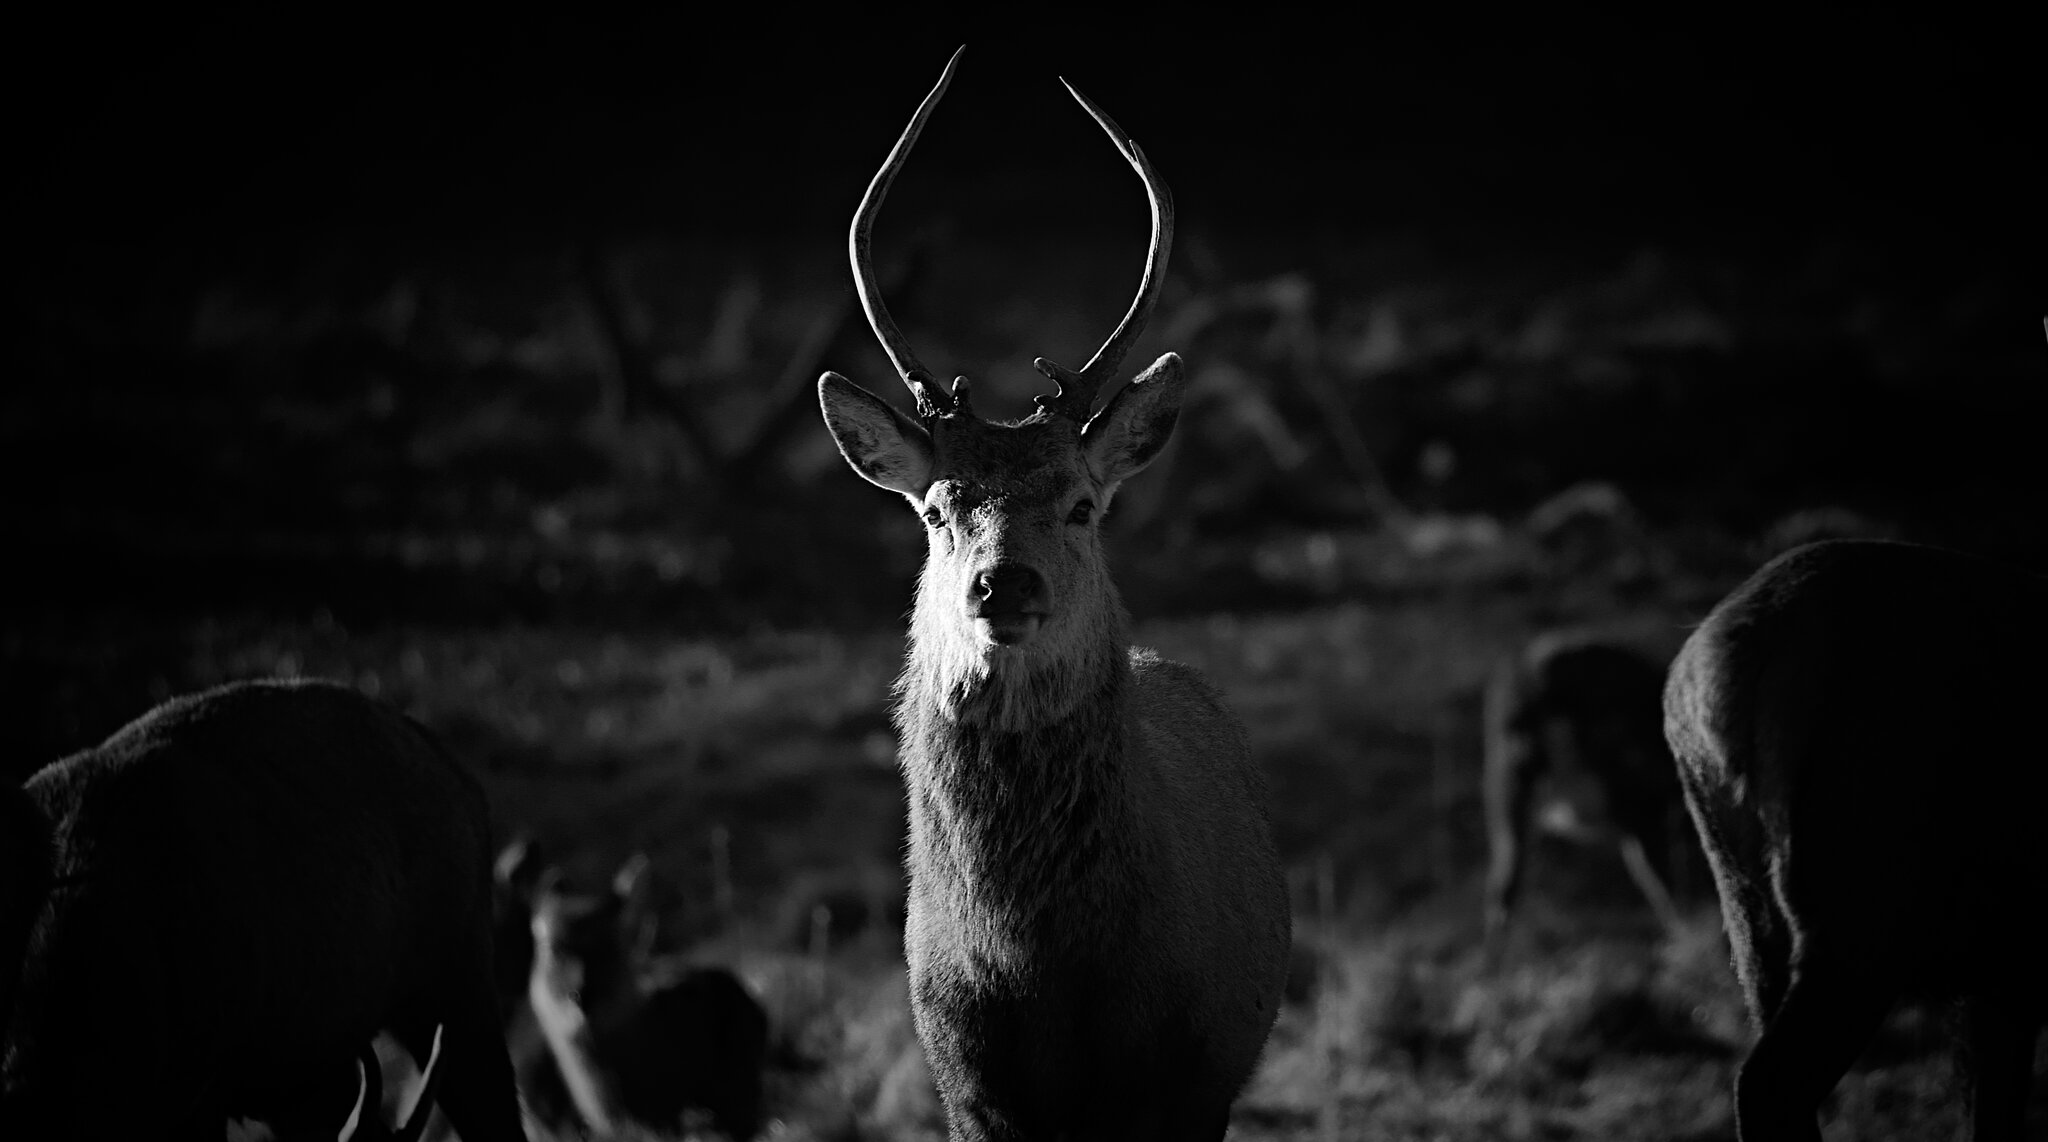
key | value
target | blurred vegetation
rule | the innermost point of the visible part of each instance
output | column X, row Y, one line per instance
column 622, row 433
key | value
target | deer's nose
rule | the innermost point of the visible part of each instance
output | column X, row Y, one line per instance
column 1008, row 589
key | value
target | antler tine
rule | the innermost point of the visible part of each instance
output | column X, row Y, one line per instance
column 930, row 399
column 1103, row 366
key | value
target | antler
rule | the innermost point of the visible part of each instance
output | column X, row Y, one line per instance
column 931, row 401
column 1087, row 383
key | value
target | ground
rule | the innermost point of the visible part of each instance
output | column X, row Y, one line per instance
column 601, row 742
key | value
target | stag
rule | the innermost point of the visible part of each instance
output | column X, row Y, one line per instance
column 1097, row 926
column 1575, row 749
column 208, row 915
column 634, row 1046
column 1854, row 729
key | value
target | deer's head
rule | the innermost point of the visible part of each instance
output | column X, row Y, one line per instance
column 1015, row 570
column 578, row 955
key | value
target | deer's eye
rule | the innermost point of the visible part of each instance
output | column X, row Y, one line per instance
column 933, row 517
column 1082, row 513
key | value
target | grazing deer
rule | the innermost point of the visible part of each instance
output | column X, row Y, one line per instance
column 1098, row 926
column 633, row 1047
column 1575, row 749
column 518, row 877
column 520, row 869
column 1856, row 731
column 209, row 914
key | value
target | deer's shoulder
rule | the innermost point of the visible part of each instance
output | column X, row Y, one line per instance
column 1175, row 701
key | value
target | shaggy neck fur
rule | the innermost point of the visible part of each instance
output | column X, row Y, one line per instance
column 1018, row 797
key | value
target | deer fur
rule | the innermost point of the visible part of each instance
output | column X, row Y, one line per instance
column 1097, row 927
column 1856, row 731
column 1575, row 749
column 224, row 901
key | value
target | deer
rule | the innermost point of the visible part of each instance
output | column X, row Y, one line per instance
column 212, row 912
column 1854, row 729
column 635, row 1046
column 1575, row 749
column 1098, row 926
column 520, row 875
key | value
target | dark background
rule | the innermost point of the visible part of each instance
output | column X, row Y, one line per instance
column 252, row 128
column 312, row 305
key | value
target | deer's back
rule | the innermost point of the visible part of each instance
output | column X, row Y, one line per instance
column 1864, row 713
column 1887, row 648
column 256, row 868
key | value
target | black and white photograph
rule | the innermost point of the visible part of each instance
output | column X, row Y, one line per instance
column 652, row 573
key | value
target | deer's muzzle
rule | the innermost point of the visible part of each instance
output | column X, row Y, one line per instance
column 1008, row 602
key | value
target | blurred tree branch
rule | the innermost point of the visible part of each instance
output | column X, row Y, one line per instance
column 789, row 401
column 635, row 390
column 1284, row 345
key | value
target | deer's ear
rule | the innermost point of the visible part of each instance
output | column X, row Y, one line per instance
column 1136, row 423
column 887, row 448
column 635, row 875
column 518, row 868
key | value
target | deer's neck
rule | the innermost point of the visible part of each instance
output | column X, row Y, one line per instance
column 574, row 1035
column 1017, row 781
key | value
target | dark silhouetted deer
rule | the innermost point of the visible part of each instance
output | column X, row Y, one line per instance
column 211, row 913
column 637, row 1046
column 1098, row 925
column 1575, row 749
column 1857, row 731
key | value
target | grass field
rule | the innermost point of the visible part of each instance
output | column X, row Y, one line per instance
column 600, row 742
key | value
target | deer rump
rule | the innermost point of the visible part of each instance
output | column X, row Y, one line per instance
column 1854, row 729
column 240, row 890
